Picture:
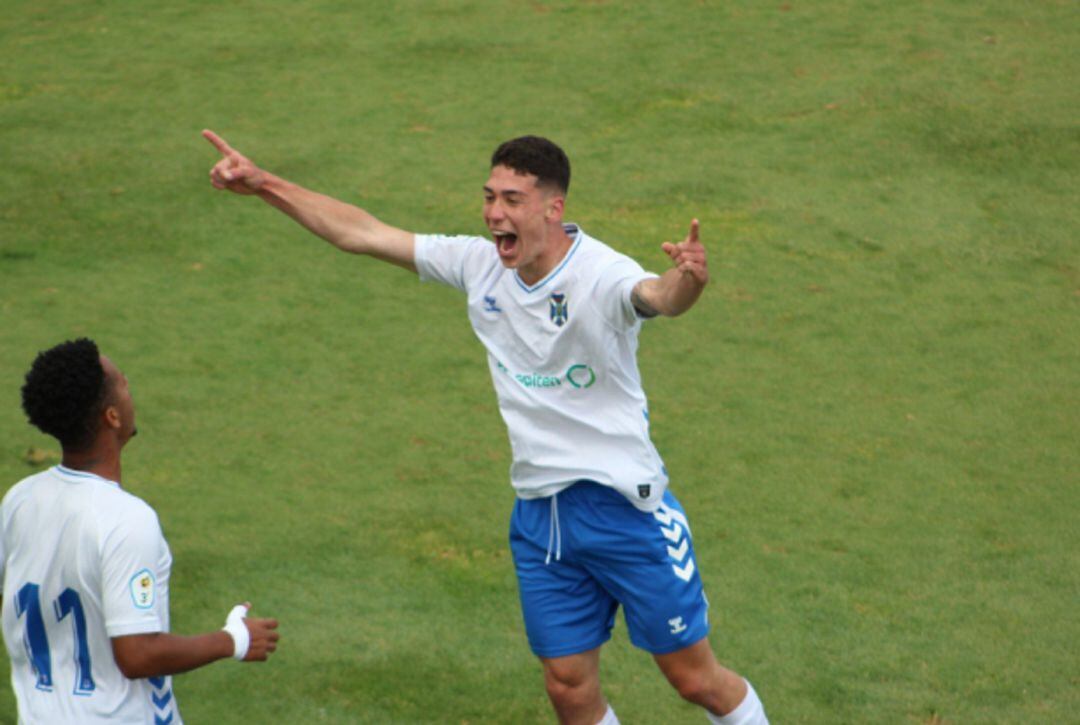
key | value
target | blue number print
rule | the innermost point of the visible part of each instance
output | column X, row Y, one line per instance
column 35, row 639
column 69, row 603
column 28, row 602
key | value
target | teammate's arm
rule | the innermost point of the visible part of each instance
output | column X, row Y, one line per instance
column 160, row 653
column 676, row 290
column 347, row 227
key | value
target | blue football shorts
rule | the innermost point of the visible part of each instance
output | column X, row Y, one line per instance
column 586, row 550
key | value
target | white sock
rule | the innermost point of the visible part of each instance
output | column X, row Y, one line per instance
column 749, row 712
column 609, row 718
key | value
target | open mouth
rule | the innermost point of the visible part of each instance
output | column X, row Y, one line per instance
column 506, row 242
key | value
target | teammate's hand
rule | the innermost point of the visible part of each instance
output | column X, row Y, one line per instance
column 234, row 171
column 688, row 256
column 264, row 638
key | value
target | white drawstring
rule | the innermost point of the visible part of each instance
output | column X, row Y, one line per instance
column 554, row 533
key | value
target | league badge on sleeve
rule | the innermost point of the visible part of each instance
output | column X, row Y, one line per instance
column 559, row 309
column 142, row 589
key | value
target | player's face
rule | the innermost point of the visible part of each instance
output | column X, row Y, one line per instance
column 519, row 216
column 119, row 398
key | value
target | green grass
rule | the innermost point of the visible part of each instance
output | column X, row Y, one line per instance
column 871, row 416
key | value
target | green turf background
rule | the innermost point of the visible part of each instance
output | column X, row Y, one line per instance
column 871, row 416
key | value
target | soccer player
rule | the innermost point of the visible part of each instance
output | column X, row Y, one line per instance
column 594, row 525
column 85, row 567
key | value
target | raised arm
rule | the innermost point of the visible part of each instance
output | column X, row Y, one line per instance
column 347, row 227
column 676, row 290
column 160, row 653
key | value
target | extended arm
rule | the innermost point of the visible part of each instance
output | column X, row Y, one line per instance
column 676, row 290
column 347, row 227
column 160, row 653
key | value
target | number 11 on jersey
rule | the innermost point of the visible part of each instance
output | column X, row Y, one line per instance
column 28, row 603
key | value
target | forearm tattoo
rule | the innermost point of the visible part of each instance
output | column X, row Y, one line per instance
column 643, row 308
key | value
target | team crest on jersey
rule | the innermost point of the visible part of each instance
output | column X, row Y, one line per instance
column 142, row 589
column 559, row 310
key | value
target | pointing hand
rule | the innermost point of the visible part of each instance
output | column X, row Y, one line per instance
column 234, row 171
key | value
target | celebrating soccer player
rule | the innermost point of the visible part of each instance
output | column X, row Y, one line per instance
column 594, row 525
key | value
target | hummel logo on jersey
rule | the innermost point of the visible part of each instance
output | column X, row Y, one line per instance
column 490, row 306
column 676, row 625
column 559, row 309
column 161, row 696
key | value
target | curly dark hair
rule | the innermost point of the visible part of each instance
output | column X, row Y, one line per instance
column 538, row 156
column 65, row 390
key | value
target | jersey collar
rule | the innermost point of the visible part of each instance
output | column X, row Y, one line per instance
column 72, row 473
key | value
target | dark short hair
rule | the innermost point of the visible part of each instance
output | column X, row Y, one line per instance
column 64, row 392
column 537, row 156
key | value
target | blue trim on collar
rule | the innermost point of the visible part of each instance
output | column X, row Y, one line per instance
column 554, row 273
column 81, row 474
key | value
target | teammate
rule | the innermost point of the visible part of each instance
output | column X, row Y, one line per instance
column 85, row 567
column 594, row 525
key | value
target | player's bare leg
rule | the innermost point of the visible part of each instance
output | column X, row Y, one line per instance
column 573, row 684
column 700, row 679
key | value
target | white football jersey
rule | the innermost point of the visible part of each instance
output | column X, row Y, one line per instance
column 82, row 561
column 562, row 356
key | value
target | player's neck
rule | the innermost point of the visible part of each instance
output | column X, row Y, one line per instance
column 96, row 461
column 557, row 247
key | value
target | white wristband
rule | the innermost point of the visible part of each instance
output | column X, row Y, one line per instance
column 234, row 625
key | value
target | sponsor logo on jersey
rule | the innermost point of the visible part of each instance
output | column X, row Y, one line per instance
column 536, row 380
column 578, row 376
column 490, row 304
column 142, row 589
column 560, row 312
column 677, row 625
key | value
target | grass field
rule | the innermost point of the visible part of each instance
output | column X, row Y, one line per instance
column 871, row 416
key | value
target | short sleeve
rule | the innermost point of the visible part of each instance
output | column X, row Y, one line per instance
column 449, row 259
column 614, row 288
column 135, row 562
column 3, row 555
